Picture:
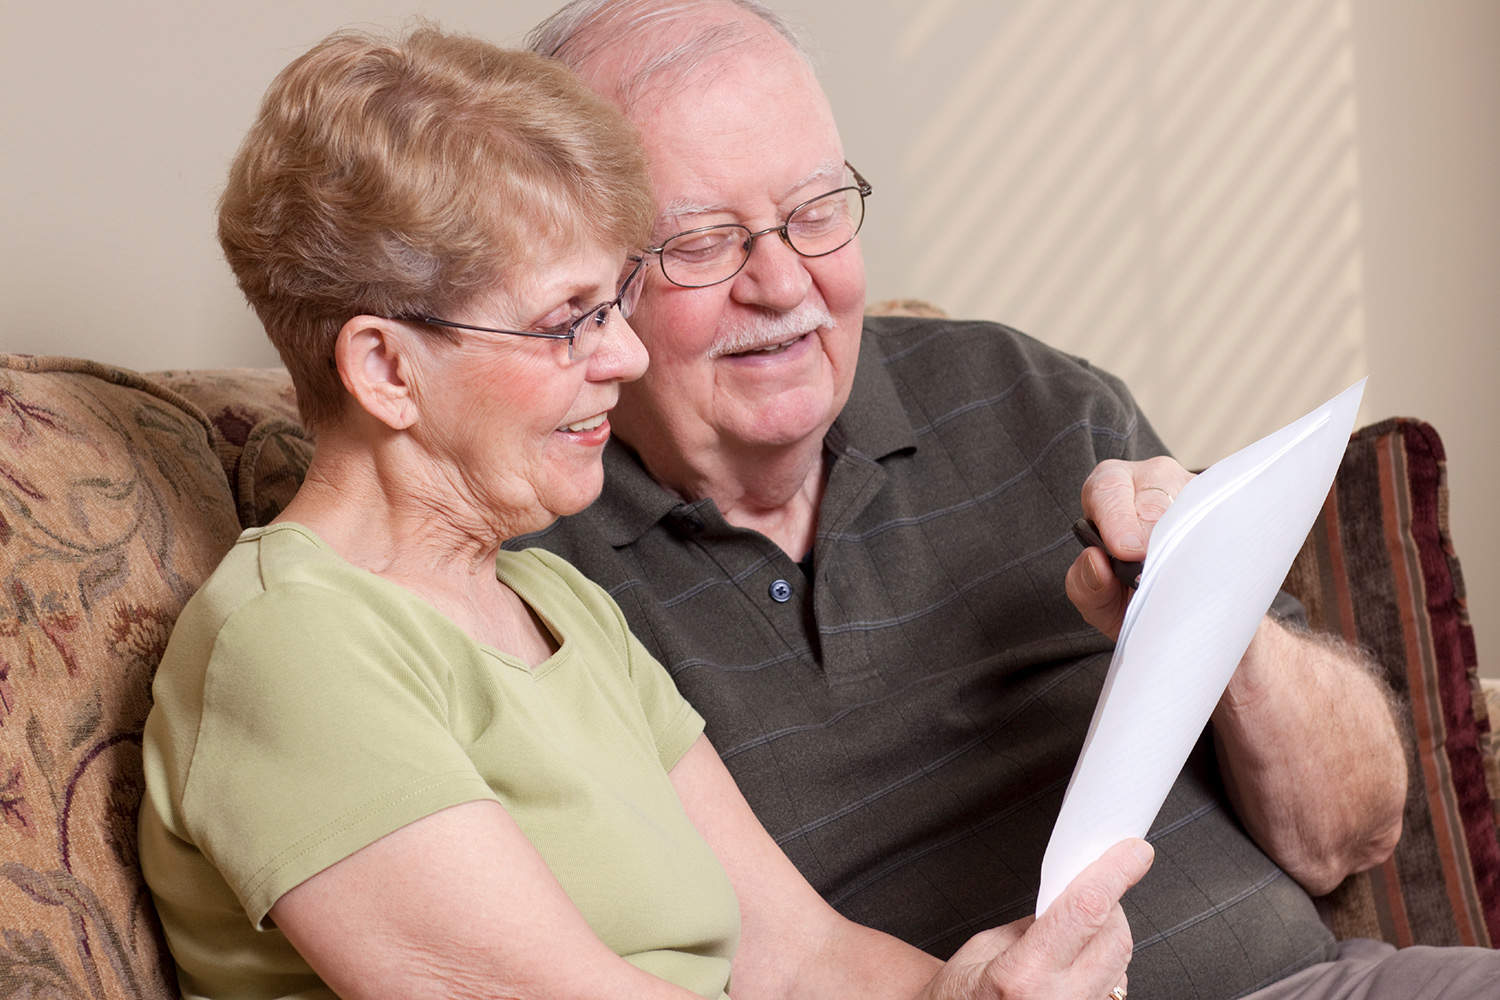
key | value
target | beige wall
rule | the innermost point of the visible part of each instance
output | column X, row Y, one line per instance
column 1240, row 206
column 1429, row 92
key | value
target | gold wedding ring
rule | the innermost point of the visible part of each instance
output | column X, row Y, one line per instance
column 1118, row 993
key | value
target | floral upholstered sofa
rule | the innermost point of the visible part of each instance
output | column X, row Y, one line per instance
column 119, row 492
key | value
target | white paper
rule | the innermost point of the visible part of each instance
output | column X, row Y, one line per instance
column 1213, row 566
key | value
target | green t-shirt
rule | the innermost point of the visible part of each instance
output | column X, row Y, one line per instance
column 306, row 707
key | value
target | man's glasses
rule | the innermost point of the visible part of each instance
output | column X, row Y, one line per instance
column 815, row 228
column 583, row 334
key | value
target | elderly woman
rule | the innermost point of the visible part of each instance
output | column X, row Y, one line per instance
column 387, row 758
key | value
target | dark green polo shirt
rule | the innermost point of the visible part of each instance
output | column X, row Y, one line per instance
column 904, row 723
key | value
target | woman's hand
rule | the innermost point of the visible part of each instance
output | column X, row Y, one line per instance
column 1077, row 950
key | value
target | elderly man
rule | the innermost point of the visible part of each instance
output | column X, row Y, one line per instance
column 847, row 539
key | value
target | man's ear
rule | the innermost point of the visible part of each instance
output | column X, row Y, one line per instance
column 375, row 359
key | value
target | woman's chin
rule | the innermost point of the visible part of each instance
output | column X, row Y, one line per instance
column 554, row 498
column 573, row 501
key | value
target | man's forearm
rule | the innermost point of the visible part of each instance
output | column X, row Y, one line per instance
column 1311, row 757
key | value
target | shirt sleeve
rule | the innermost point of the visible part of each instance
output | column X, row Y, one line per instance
column 324, row 728
column 1139, row 439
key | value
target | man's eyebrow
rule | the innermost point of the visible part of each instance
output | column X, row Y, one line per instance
column 828, row 168
column 682, row 206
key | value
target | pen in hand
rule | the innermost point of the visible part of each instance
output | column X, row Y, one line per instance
column 1087, row 533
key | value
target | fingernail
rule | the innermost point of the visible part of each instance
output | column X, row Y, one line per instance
column 1143, row 852
column 1090, row 578
column 1131, row 543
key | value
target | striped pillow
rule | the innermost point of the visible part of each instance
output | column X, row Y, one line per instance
column 1379, row 570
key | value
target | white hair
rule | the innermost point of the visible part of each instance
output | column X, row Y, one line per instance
column 584, row 29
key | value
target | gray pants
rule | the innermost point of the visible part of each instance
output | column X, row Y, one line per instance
column 1374, row 970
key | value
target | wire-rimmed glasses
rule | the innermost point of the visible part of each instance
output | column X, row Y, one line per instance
column 708, row 255
column 583, row 334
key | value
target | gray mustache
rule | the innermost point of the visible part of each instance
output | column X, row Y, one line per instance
column 763, row 331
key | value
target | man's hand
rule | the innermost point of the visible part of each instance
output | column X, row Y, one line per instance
column 1307, row 746
column 1079, row 948
column 1124, row 500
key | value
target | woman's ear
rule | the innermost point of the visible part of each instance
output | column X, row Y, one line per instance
column 375, row 359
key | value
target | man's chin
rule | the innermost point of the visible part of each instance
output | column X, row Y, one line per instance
column 783, row 419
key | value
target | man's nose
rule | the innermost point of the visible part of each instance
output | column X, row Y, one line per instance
column 775, row 276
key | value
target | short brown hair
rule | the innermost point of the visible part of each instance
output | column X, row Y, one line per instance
column 404, row 176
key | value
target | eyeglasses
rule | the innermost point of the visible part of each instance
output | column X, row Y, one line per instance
column 583, row 334
column 817, row 227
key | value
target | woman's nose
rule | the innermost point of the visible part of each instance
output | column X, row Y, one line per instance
column 620, row 357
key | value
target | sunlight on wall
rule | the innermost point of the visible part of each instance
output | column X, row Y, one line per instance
column 1096, row 170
